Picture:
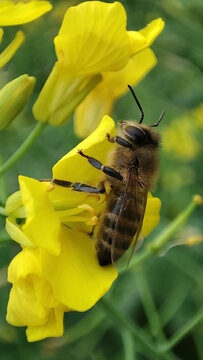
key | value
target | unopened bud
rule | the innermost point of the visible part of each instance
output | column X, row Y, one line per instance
column 13, row 98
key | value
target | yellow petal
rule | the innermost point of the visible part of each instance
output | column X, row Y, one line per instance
column 62, row 92
column 152, row 217
column 27, row 265
column 73, row 167
column 135, row 70
column 17, row 234
column 93, row 38
column 22, row 12
column 79, row 281
column 152, row 30
column 8, row 53
column 42, row 225
column 23, row 307
column 54, row 89
column 101, row 99
column 23, row 264
column 137, row 40
column 13, row 203
column 53, row 326
column 145, row 37
column 89, row 113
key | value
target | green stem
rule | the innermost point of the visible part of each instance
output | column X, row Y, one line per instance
column 174, row 226
column 2, row 211
column 23, row 148
column 128, row 344
column 156, row 245
column 151, row 311
column 140, row 337
column 3, row 188
column 180, row 334
column 173, row 302
column 149, row 306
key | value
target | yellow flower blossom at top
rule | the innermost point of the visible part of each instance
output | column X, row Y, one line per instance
column 101, row 99
column 57, row 269
column 16, row 13
column 93, row 44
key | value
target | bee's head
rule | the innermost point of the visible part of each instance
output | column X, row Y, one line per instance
column 137, row 134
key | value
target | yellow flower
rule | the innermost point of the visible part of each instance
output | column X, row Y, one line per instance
column 92, row 44
column 57, row 270
column 101, row 99
column 16, row 13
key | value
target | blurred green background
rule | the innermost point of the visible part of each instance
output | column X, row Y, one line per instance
column 172, row 282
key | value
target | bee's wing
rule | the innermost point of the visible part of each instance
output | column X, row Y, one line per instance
column 135, row 203
column 140, row 209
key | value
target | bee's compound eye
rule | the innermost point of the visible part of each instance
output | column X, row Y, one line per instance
column 136, row 135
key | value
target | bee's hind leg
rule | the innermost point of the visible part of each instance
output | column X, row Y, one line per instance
column 98, row 165
column 119, row 141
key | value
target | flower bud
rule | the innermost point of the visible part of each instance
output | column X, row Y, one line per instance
column 13, row 98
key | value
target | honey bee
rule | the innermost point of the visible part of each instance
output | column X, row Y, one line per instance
column 131, row 172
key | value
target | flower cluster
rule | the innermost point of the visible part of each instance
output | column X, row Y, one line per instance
column 96, row 59
column 57, row 269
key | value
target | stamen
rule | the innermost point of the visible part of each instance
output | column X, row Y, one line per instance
column 94, row 219
column 88, row 208
column 50, row 187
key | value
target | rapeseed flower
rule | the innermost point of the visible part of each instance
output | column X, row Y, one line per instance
column 94, row 48
column 101, row 99
column 16, row 13
column 57, row 269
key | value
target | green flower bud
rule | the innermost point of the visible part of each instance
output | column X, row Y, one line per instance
column 13, row 98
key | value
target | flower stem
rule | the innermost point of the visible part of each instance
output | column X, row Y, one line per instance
column 142, row 341
column 3, row 188
column 172, row 228
column 128, row 344
column 149, row 306
column 23, row 148
column 156, row 245
column 180, row 334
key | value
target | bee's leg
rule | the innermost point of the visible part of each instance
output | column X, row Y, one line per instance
column 81, row 187
column 119, row 141
column 98, row 165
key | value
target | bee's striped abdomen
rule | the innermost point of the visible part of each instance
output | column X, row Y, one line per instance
column 117, row 226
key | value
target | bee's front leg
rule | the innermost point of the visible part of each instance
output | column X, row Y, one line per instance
column 98, row 165
column 119, row 141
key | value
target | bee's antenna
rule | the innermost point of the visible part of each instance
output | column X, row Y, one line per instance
column 160, row 118
column 138, row 104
